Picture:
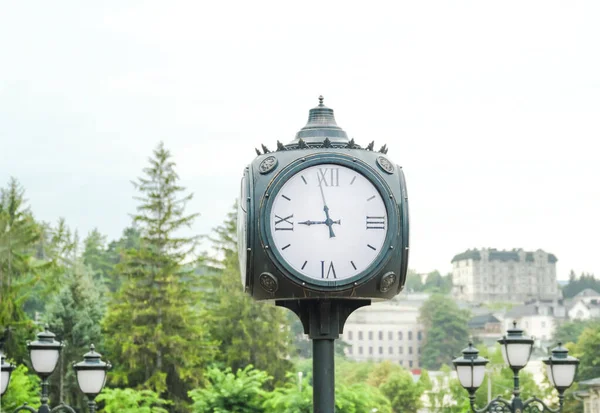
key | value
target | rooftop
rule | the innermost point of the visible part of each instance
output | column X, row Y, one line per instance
column 493, row 254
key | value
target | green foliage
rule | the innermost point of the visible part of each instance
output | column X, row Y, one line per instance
column 359, row 398
column 578, row 284
column 434, row 282
column 413, row 282
column 350, row 372
column 381, row 373
column 260, row 335
column 23, row 388
column 131, row 401
column 227, row 392
column 446, row 394
column 74, row 315
column 446, row 331
column 97, row 258
column 586, row 349
column 155, row 330
column 403, row 393
column 569, row 331
column 499, row 305
column 290, row 399
column 19, row 234
column 349, row 398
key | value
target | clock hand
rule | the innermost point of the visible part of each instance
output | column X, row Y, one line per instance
column 328, row 221
column 309, row 223
column 312, row 222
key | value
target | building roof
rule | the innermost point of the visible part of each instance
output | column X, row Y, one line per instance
column 522, row 311
column 592, row 382
column 588, row 292
column 479, row 321
column 494, row 254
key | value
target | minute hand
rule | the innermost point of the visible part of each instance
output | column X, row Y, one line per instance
column 328, row 221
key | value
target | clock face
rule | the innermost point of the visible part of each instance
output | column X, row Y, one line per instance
column 328, row 222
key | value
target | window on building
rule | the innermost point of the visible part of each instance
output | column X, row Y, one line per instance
column 410, row 364
column 410, row 350
column 418, row 350
column 380, row 350
column 420, row 335
column 349, row 335
column 400, row 350
column 543, row 324
column 391, row 350
column 390, row 335
column 370, row 335
column 381, row 335
column 399, row 335
column 360, row 335
column 349, row 350
column 360, row 351
column 410, row 335
column 371, row 350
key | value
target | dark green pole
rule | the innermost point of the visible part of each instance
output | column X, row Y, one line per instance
column 323, row 376
column 323, row 320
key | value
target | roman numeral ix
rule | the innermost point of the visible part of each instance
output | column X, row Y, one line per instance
column 284, row 224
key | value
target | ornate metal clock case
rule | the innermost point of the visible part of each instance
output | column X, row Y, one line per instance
column 323, row 218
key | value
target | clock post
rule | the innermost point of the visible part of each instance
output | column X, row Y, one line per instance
column 323, row 230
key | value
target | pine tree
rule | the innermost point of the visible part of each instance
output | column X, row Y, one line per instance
column 260, row 335
column 154, row 331
column 74, row 315
column 446, row 331
column 96, row 256
column 18, row 235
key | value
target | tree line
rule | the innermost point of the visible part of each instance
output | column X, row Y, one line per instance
column 178, row 328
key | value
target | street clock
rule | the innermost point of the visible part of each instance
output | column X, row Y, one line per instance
column 322, row 217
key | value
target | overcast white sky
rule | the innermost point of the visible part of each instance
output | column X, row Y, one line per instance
column 492, row 108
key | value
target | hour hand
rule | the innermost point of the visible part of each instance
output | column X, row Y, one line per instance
column 309, row 223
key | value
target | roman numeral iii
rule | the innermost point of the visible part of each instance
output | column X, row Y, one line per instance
column 375, row 222
column 284, row 224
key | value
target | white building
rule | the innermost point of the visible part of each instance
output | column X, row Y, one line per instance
column 512, row 276
column 590, row 395
column 387, row 331
column 537, row 318
column 585, row 305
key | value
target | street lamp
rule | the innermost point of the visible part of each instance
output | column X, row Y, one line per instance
column 44, row 354
column 91, row 375
column 516, row 349
column 5, row 370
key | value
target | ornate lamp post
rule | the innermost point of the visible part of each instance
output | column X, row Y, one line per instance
column 44, row 354
column 516, row 350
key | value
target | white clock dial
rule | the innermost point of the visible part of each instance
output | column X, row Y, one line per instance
column 328, row 222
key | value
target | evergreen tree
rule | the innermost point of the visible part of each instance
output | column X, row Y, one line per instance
column 19, row 234
column 446, row 331
column 97, row 257
column 260, row 335
column 154, row 331
column 578, row 284
column 114, row 254
column 74, row 315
